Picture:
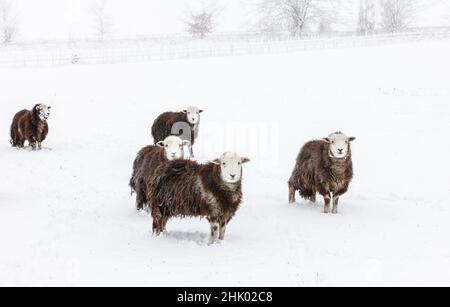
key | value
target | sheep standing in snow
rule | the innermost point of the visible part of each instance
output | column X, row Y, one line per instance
column 185, row 188
column 324, row 167
column 184, row 124
column 30, row 126
column 148, row 159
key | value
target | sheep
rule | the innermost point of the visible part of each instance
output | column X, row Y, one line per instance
column 324, row 167
column 148, row 159
column 30, row 126
column 185, row 188
column 184, row 124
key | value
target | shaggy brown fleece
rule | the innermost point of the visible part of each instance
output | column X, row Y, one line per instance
column 27, row 126
column 317, row 172
column 185, row 188
column 163, row 125
column 144, row 166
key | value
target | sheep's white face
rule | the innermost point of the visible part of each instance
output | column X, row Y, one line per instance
column 174, row 147
column 43, row 111
column 193, row 115
column 339, row 144
column 231, row 167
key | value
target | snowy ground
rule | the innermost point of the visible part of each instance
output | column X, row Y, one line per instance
column 66, row 216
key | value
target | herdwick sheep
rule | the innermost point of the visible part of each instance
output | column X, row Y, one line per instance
column 30, row 126
column 324, row 167
column 185, row 188
column 148, row 159
column 184, row 124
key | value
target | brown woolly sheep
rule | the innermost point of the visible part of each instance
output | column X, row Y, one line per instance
column 30, row 126
column 185, row 188
column 146, row 162
column 324, row 167
column 184, row 124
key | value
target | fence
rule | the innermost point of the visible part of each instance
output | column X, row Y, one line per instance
column 179, row 47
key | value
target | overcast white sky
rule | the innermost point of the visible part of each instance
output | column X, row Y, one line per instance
column 61, row 19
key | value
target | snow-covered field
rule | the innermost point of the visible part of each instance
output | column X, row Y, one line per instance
column 67, row 218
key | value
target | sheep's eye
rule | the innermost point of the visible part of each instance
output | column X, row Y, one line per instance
column 332, row 142
column 223, row 163
column 166, row 146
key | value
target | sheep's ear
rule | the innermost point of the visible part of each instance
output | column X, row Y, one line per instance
column 326, row 140
column 245, row 160
column 216, row 161
column 160, row 144
column 351, row 139
column 186, row 143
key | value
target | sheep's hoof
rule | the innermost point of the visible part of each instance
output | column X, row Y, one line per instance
column 327, row 210
column 211, row 242
column 335, row 211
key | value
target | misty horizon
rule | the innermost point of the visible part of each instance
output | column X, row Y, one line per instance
column 69, row 19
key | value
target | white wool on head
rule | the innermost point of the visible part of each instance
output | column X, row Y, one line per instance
column 44, row 111
column 339, row 144
column 231, row 166
column 173, row 147
column 193, row 115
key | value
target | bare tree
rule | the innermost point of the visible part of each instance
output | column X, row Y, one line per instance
column 367, row 18
column 8, row 22
column 101, row 19
column 397, row 15
column 293, row 15
column 201, row 22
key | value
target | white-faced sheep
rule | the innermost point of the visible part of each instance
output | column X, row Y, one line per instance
column 184, row 188
column 148, row 159
column 324, row 167
column 184, row 124
column 31, row 126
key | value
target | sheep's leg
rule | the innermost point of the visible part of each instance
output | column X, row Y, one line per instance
column 335, row 204
column 159, row 225
column 163, row 224
column 39, row 145
column 33, row 145
column 291, row 195
column 223, row 228
column 191, row 150
column 214, row 232
column 139, row 201
column 139, row 204
column 327, row 199
column 313, row 197
column 156, row 230
column 14, row 139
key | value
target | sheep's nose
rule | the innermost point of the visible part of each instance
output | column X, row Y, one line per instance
column 340, row 150
column 232, row 176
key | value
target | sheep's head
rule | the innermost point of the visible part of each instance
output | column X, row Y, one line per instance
column 339, row 145
column 173, row 147
column 42, row 111
column 231, row 167
column 193, row 115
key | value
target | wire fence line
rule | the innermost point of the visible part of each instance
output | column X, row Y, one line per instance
column 145, row 50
